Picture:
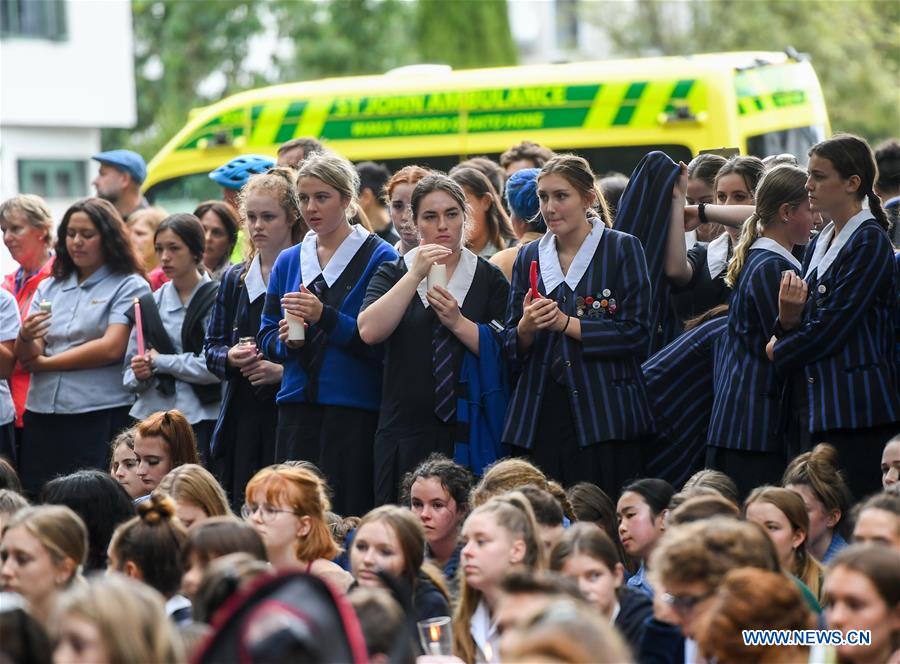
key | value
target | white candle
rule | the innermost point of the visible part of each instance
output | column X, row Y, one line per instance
column 437, row 276
column 296, row 331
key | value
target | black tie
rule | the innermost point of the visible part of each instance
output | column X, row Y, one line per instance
column 442, row 364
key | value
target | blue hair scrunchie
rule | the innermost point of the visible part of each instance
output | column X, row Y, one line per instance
column 521, row 195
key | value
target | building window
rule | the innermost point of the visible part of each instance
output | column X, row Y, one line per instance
column 44, row 19
column 53, row 178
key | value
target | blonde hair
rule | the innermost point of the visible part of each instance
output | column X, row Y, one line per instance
column 35, row 211
column 789, row 503
column 59, row 530
column 305, row 494
column 783, row 184
column 512, row 512
column 194, row 484
column 578, row 173
column 336, row 172
column 153, row 217
column 513, row 473
column 280, row 183
column 130, row 617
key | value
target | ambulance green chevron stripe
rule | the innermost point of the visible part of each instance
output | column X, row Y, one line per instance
column 629, row 103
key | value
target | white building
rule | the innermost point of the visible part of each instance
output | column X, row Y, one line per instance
column 555, row 31
column 66, row 70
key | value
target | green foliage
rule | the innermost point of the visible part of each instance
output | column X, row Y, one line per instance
column 179, row 44
column 854, row 45
column 465, row 33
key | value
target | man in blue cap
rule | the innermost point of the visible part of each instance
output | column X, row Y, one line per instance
column 121, row 174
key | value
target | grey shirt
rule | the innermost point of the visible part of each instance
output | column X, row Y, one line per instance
column 186, row 368
column 9, row 330
column 81, row 313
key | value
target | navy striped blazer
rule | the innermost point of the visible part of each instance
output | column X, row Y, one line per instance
column 844, row 348
column 603, row 372
column 679, row 382
column 747, row 387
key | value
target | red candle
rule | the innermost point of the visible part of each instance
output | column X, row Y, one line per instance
column 534, row 280
column 139, row 326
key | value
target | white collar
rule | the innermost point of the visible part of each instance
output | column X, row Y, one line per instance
column 175, row 603
column 824, row 256
column 253, row 280
column 458, row 285
column 615, row 613
column 484, row 631
column 771, row 245
column 309, row 258
column 551, row 271
column 717, row 255
column 170, row 300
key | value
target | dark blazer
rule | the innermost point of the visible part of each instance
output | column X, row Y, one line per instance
column 679, row 382
column 603, row 372
column 844, row 348
column 747, row 387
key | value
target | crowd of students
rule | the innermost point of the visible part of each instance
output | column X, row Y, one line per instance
column 429, row 390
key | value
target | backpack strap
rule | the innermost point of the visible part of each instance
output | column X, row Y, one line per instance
column 193, row 334
column 157, row 337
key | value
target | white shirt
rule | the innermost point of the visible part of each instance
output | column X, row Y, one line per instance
column 551, row 271
column 309, row 256
column 458, row 285
column 9, row 330
column 253, row 280
column 484, row 633
column 717, row 255
column 824, row 256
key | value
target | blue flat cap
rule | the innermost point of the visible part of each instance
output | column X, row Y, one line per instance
column 126, row 160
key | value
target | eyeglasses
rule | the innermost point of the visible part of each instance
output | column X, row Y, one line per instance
column 685, row 603
column 266, row 512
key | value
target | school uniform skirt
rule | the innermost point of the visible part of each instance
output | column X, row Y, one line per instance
column 246, row 440
column 54, row 444
column 556, row 450
column 339, row 440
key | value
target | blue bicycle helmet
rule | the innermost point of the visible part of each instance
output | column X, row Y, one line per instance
column 236, row 172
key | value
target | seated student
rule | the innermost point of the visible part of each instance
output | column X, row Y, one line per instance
column 783, row 515
column 890, row 465
column 114, row 619
column 548, row 513
column 755, row 599
column 586, row 554
column 197, row 494
column 163, row 441
column 101, row 503
column 641, row 512
column 41, row 553
column 878, row 521
column 437, row 491
column 501, row 536
column 512, row 474
column 566, row 632
column 172, row 373
column 391, row 540
column 429, row 333
column 214, row 538
column 383, row 625
column 715, row 480
column 862, row 592
column 287, row 506
column 123, row 464
column 10, row 503
column 816, row 477
column 590, row 503
column 698, row 506
column 148, row 548
column 223, row 578
column 688, row 566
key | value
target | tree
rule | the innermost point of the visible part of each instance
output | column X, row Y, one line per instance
column 854, row 45
column 465, row 33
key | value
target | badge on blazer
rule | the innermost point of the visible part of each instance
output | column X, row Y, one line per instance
column 822, row 289
column 593, row 306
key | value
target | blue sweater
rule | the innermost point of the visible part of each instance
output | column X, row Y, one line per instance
column 350, row 371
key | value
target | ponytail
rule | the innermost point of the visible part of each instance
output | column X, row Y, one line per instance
column 751, row 231
column 877, row 211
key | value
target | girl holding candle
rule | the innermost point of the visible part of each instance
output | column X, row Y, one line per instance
column 426, row 330
column 331, row 386
column 76, row 400
column 244, row 438
column 172, row 373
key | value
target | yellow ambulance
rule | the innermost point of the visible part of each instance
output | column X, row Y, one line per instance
column 612, row 112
